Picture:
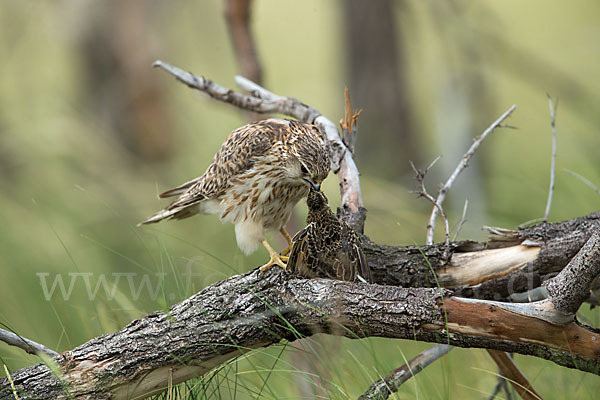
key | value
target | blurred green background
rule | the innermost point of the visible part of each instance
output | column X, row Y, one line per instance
column 90, row 133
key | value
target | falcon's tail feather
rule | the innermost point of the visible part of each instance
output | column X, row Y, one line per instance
column 159, row 216
column 176, row 191
column 173, row 213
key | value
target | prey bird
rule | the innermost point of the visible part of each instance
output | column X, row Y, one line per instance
column 254, row 181
column 327, row 247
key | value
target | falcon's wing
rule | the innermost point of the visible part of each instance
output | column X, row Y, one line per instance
column 238, row 154
column 241, row 150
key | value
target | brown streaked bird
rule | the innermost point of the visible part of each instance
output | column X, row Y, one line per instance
column 254, row 181
column 327, row 247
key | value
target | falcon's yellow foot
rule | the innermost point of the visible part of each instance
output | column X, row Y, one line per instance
column 275, row 259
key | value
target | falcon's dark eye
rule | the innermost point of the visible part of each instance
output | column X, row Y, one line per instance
column 303, row 169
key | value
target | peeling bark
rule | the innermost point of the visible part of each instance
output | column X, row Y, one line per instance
column 554, row 245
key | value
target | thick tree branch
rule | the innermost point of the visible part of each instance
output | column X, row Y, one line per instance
column 247, row 311
column 513, row 262
column 569, row 289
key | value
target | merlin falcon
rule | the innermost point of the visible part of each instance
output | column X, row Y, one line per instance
column 327, row 247
column 254, row 181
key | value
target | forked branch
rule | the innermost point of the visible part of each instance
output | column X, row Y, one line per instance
column 459, row 168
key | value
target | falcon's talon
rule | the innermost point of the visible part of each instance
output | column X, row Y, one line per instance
column 276, row 259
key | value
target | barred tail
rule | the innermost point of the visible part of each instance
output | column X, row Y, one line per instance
column 173, row 213
column 159, row 216
column 179, row 190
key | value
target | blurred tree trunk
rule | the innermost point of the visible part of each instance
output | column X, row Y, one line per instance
column 124, row 92
column 237, row 15
column 377, row 75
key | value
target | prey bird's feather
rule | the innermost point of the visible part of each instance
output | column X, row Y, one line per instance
column 327, row 247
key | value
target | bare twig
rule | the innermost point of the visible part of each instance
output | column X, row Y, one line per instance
column 420, row 178
column 383, row 388
column 25, row 344
column 582, row 179
column 254, row 102
column 462, row 220
column 553, row 161
column 461, row 166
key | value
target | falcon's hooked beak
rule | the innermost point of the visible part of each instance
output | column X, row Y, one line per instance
column 316, row 186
